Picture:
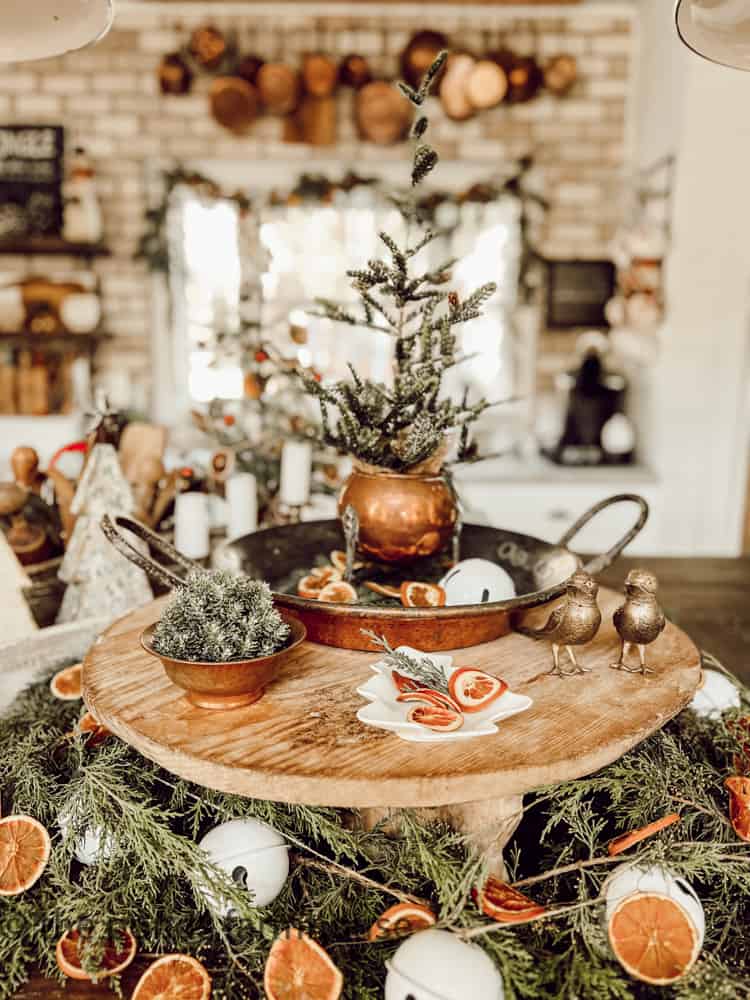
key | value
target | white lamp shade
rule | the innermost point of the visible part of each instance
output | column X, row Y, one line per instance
column 40, row 29
column 718, row 30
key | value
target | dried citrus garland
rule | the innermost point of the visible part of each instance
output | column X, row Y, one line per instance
column 343, row 905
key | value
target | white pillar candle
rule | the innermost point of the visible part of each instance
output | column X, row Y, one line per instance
column 191, row 531
column 242, row 497
column 296, row 469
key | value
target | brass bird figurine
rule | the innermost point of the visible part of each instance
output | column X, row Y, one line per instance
column 573, row 623
column 640, row 620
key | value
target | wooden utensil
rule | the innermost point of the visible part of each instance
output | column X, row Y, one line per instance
column 278, row 87
column 560, row 74
column 314, row 122
column 320, row 74
column 383, row 114
column 234, row 103
column 354, row 71
column 420, row 53
column 453, row 87
column 486, row 85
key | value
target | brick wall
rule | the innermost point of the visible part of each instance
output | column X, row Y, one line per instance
column 108, row 99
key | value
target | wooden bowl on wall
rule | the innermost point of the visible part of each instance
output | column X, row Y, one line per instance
column 226, row 685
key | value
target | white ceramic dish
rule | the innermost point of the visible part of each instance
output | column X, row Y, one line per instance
column 384, row 712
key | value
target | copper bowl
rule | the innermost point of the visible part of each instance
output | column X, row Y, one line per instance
column 402, row 516
column 226, row 685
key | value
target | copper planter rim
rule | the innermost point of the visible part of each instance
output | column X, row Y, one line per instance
column 298, row 634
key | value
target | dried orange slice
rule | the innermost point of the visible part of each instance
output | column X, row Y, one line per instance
column 628, row 840
column 24, row 852
column 739, row 805
column 92, row 730
column 117, row 956
column 338, row 561
column 173, row 977
column 427, row 696
column 297, row 968
column 504, row 904
column 473, row 690
column 415, row 594
column 338, row 592
column 400, row 920
column 311, row 585
column 439, row 720
column 653, row 938
column 404, row 683
column 383, row 589
column 66, row 684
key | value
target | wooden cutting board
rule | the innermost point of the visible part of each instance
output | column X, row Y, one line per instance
column 303, row 743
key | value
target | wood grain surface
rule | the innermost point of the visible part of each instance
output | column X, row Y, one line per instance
column 303, row 743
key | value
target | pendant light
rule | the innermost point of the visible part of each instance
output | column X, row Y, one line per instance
column 39, row 29
column 718, row 30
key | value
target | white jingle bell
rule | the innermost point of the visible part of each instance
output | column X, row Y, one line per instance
column 716, row 694
column 438, row 965
column 253, row 853
column 92, row 846
column 477, row 581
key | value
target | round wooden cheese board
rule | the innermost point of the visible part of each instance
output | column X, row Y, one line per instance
column 302, row 742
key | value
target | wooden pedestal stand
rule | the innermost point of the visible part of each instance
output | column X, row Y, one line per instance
column 303, row 743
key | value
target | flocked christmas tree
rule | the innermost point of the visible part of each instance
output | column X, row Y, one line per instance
column 404, row 426
column 101, row 582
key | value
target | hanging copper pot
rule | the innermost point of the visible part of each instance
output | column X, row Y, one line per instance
column 320, row 74
column 560, row 74
column 453, row 86
column 420, row 54
column 524, row 79
column 354, row 71
column 248, row 68
column 234, row 103
column 314, row 122
column 279, row 88
column 486, row 85
column 175, row 76
column 208, row 47
column 383, row 114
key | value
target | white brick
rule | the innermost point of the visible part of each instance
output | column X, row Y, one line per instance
column 608, row 88
column 577, row 194
column 89, row 104
column 65, row 83
column 160, row 41
column 116, row 83
column 17, row 83
column 613, row 45
column 38, row 105
column 119, row 125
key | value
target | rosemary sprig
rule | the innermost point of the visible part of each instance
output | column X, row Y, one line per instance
column 423, row 669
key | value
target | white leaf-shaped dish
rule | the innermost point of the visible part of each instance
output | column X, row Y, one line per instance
column 384, row 712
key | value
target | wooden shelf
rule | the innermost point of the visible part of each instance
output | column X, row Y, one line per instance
column 29, row 339
column 54, row 246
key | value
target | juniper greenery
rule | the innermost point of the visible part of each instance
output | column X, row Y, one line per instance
column 401, row 425
column 216, row 617
column 342, row 877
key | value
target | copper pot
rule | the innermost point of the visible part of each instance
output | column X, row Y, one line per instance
column 226, row 685
column 402, row 516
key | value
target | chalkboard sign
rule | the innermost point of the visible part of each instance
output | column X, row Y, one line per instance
column 577, row 292
column 31, row 175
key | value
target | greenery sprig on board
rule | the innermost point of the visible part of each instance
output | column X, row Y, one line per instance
column 155, row 878
column 403, row 425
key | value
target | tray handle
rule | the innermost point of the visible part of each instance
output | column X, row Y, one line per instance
column 149, row 566
column 601, row 562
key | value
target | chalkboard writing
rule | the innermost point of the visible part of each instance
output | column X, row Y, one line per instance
column 31, row 174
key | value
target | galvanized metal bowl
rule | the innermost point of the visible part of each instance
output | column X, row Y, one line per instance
column 539, row 571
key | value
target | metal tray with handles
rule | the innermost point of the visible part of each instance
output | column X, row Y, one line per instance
column 539, row 571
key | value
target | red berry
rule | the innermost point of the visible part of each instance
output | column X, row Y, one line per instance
column 261, row 356
column 229, row 419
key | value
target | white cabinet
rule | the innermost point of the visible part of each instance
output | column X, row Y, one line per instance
column 545, row 502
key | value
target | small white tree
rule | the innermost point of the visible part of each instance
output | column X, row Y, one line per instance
column 100, row 581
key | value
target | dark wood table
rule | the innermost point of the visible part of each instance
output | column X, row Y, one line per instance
column 709, row 598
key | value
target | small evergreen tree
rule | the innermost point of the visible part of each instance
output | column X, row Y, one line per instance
column 405, row 424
